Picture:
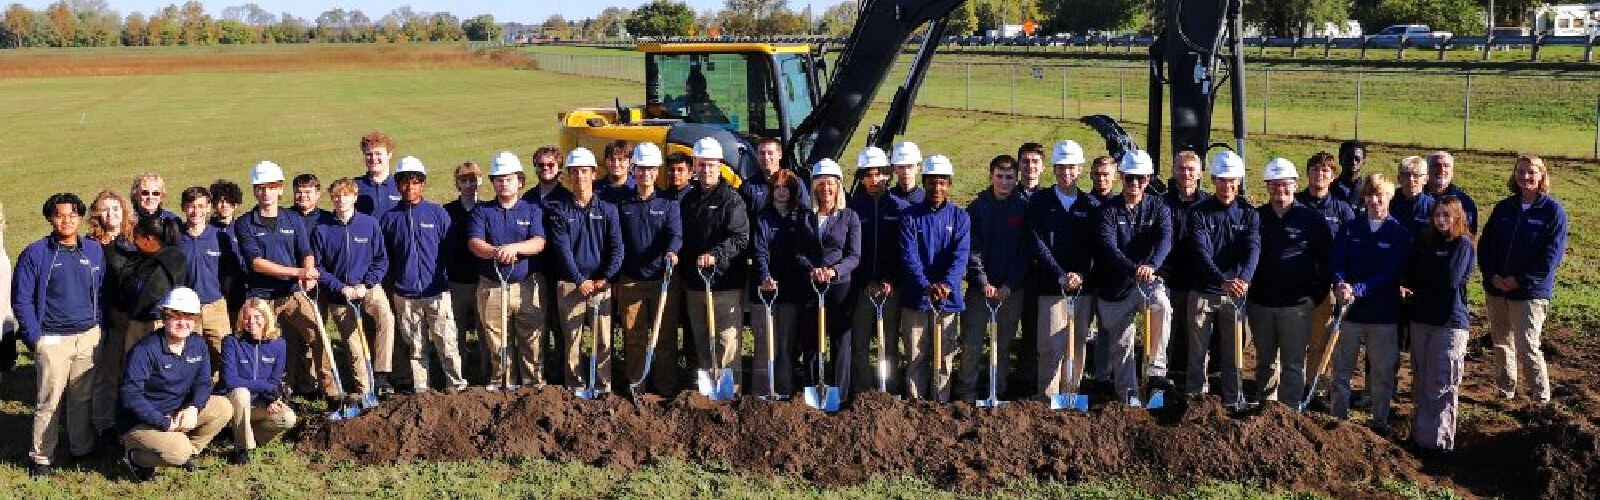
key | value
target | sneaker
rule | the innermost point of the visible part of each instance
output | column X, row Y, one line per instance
column 39, row 470
column 191, row 467
column 239, row 457
column 140, row 474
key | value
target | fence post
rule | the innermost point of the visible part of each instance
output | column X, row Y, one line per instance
column 968, row 106
column 1122, row 94
column 1266, row 96
column 1597, row 128
column 1361, row 77
column 1013, row 74
column 1466, row 112
column 1063, row 92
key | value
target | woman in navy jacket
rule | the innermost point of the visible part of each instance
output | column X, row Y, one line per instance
column 252, row 376
column 777, row 271
column 1437, row 277
column 1522, row 245
column 827, row 249
column 1367, row 256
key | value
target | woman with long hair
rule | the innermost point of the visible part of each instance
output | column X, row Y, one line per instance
column 1436, row 277
column 777, row 274
column 827, row 248
column 110, row 224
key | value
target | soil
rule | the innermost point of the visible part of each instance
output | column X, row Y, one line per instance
column 1515, row 449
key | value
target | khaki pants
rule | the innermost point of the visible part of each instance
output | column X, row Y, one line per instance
column 1438, row 358
column 1383, row 357
column 1120, row 328
column 253, row 424
column 864, row 338
column 975, row 341
column 922, row 381
column 1281, row 335
column 364, row 348
column 1208, row 311
column 149, row 447
column 1516, row 327
column 299, row 322
column 575, row 310
column 1057, row 373
column 725, row 341
column 636, row 309
column 214, row 325
column 66, row 393
column 785, row 322
column 428, row 319
column 522, row 361
column 108, row 371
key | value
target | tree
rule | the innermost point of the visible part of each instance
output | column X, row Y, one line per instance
column 988, row 16
column 1084, row 16
column 63, row 24
column 841, row 17
column 555, row 26
column 605, row 25
column 196, row 25
column 482, row 29
column 234, row 32
column 330, row 26
column 1462, row 17
column 1292, row 17
column 133, row 31
column 359, row 27
column 759, row 18
column 444, row 27
column 964, row 21
column 18, row 25
column 661, row 18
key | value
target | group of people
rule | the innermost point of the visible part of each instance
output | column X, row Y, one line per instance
column 870, row 278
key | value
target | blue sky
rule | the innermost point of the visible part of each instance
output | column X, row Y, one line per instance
column 503, row 10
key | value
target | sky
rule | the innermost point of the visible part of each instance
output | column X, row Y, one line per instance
column 525, row 11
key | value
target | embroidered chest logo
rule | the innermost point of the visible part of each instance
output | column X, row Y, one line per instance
column 361, row 240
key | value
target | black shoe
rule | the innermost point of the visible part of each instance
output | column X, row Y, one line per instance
column 39, row 470
column 1160, row 384
column 140, row 474
column 239, row 457
column 191, row 467
column 384, row 387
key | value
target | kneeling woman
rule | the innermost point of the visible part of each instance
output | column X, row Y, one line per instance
column 252, row 374
column 1437, row 276
column 167, row 414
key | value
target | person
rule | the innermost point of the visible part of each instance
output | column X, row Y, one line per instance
column 413, row 237
column 587, row 239
column 1226, row 235
column 880, row 213
column 202, row 247
column 778, row 274
column 1030, row 169
column 277, row 251
column 168, row 414
column 1103, row 178
column 716, row 232
column 54, row 295
column 547, row 169
column 351, row 262
column 110, row 225
column 1412, row 204
column 905, row 158
column 148, row 191
column 678, row 172
column 1321, row 170
column 1366, row 262
column 1062, row 223
column 1022, row 383
column 1000, row 247
column 225, row 200
column 652, row 235
column 935, row 242
column 506, row 237
column 155, row 267
column 461, row 267
column 1291, row 279
column 1134, row 232
column 1441, row 183
column 1183, row 194
column 378, row 191
column 1436, row 278
column 8, row 319
column 1523, row 244
column 307, row 192
column 252, row 376
column 1352, row 157
column 615, row 184
column 827, row 250
column 769, row 155
column 226, row 197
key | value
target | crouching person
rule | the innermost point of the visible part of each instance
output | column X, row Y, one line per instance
column 252, row 374
column 168, row 414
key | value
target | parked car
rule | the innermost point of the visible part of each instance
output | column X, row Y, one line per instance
column 1419, row 35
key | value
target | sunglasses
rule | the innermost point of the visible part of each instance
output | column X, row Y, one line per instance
column 1135, row 179
column 147, row 192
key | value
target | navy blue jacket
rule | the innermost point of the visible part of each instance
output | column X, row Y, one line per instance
column 880, row 235
column 754, row 190
column 587, row 240
column 157, row 383
column 462, row 266
column 1370, row 262
column 1334, row 211
column 1001, row 243
column 1129, row 238
column 559, row 193
column 56, row 289
column 349, row 253
column 774, row 251
column 613, row 193
column 934, row 246
column 1467, row 205
column 1227, row 243
column 413, row 235
column 1180, row 271
column 204, row 255
column 1344, row 188
column 230, row 269
column 254, row 365
column 1525, row 244
column 650, row 228
column 914, row 196
column 1293, row 266
column 376, row 198
column 285, row 244
column 837, row 246
column 498, row 225
column 1437, row 276
column 1414, row 213
column 1064, row 239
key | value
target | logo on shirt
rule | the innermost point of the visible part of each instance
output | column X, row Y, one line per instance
column 285, row 231
column 213, row 253
column 193, row 359
column 269, row 360
column 426, row 225
column 361, row 240
column 524, row 223
column 895, row 217
column 394, row 197
column 658, row 212
column 596, row 217
column 1383, row 245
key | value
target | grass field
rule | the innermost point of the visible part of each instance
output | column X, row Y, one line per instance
column 196, row 124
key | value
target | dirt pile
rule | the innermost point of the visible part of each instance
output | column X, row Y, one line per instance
column 952, row 445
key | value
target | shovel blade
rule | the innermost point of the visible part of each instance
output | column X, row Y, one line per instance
column 1158, row 399
column 588, row 393
column 826, row 400
column 995, row 403
column 702, row 384
column 369, row 402
column 1079, row 402
column 725, row 385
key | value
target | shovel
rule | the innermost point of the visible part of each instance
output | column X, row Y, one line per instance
column 1238, row 348
column 344, row 411
column 1327, row 354
column 994, row 357
column 770, row 353
column 1070, row 399
column 717, row 382
column 941, row 374
column 655, row 332
column 1155, row 398
column 370, row 399
column 883, row 349
column 507, row 382
column 820, row 396
column 589, row 391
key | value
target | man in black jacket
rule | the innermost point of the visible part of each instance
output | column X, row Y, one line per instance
column 716, row 232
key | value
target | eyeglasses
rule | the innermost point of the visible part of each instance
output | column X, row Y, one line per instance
column 1135, row 179
column 182, row 316
column 147, row 192
column 547, row 165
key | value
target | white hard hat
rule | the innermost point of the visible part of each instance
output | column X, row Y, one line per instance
column 826, row 166
column 872, row 157
column 1227, row 165
column 646, row 154
column 265, row 172
column 1280, row 168
column 906, row 153
column 580, row 157
column 1137, row 162
column 1066, row 153
column 708, row 148
column 938, row 165
column 411, row 164
column 505, row 163
column 182, row 299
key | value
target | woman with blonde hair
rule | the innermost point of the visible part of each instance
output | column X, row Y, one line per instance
column 1367, row 259
column 1522, row 246
column 1437, row 277
column 252, row 379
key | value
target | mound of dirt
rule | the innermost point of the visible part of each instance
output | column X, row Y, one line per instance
column 954, row 445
